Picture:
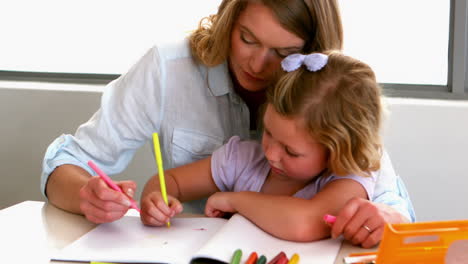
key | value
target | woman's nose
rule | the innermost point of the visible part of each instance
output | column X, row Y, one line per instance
column 259, row 60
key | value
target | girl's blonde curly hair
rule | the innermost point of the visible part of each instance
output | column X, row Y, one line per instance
column 340, row 105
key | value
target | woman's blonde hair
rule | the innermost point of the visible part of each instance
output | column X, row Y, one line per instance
column 340, row 105
column 318, row 22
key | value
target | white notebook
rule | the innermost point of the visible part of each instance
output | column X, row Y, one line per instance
column 129, row 241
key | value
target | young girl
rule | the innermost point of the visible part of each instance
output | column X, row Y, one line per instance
column 321, row 122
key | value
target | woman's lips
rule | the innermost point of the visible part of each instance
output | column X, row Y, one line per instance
column 253, row 78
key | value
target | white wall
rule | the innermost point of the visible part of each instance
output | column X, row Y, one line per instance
column 428, row 144
column 427, row 141
column 30, row 119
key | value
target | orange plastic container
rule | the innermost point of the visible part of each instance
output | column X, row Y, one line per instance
column 420, row 243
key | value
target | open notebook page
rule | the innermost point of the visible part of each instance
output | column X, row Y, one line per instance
column 240, row 233
column 129, row 241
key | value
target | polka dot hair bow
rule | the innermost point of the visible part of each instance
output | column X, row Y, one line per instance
column 313, row 62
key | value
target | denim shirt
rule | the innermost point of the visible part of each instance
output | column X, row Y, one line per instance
column 193, row 108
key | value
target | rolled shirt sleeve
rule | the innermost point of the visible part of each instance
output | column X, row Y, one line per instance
column 391, row 190
column 193, row 107
column 122, row 124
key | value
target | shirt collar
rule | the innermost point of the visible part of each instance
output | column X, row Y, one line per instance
column 219, row 80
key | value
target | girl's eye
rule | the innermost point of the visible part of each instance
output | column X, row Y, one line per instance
column 292, row 154
column 246, row 39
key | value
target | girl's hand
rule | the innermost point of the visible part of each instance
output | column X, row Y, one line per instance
column 362, row 222
column 101, row 204
column 220, row 203
column 155, row 212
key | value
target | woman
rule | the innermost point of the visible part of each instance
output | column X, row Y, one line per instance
column 197, row 93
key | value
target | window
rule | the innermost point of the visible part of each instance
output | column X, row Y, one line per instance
column 90, row 36
column 404, row 41
column 412, row 45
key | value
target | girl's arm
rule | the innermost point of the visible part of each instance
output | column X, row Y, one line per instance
column 189, row 182
column 287, row 217
column 185, row 183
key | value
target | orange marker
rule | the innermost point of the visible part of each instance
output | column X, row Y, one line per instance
column 252, row 258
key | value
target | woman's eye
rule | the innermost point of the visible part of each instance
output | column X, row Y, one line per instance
column 247, row 40
column 282, row 54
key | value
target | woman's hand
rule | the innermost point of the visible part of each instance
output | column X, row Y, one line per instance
column 362, row 222
column 219, row 204
column 155, row 212
column 101, row 204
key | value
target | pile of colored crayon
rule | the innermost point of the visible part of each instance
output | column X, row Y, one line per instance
column 281, row 258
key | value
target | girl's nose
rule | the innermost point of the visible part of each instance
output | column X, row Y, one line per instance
column 272, row 152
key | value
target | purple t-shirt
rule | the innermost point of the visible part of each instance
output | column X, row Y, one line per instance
column 242, row 166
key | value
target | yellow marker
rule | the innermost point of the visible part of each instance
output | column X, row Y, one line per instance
column 294, row 259
column 159, row 164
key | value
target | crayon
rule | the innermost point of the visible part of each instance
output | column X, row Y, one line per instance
column 261, row 260
column 159, row 164
column 110, row 183
column 294, row 259
column 280, row 255
column 282, row 260
column 236, row 257
column 252, row 258
column 329, row 219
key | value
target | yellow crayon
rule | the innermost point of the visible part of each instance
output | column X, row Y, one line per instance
column 294, row 259
column 159, row 164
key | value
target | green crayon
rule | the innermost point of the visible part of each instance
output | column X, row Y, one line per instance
column 236, row 257
column 262, row 260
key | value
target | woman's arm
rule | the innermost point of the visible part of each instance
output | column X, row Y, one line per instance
column 87, row 195
column 109, row 138
column 357, row 213
column 390, row 204
column 286, row 217
column 66, row 181
column 391, row 191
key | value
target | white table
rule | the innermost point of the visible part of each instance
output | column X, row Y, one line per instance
column 32, row 231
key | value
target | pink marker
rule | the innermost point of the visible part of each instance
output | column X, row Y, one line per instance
column 329, row 219
column 110, row 183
